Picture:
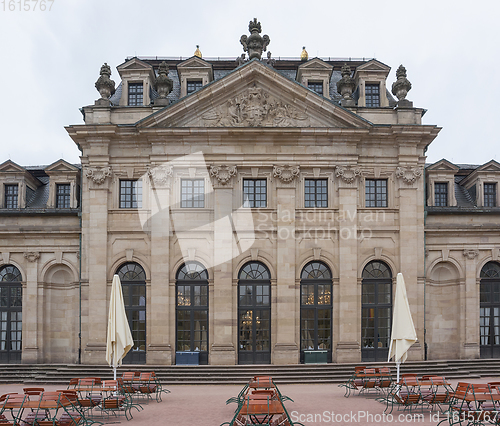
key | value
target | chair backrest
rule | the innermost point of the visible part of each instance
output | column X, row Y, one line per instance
column 96, row 380
column 359, row 368
column 33, row 391
column 128, row 375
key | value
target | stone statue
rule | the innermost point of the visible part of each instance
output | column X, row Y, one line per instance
column 163, row 84
column 401, row 86
column 345, row 86
column 255, row 44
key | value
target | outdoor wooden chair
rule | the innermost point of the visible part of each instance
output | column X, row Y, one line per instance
column 440, row 394
column 87, row 398
column 404, row 395
column 13, row 402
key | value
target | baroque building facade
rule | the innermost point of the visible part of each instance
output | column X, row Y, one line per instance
column 256, row 211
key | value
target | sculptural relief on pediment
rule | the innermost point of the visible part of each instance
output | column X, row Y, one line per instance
column 256, row 108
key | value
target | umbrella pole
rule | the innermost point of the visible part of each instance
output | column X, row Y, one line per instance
column 397, row 370
column 114, row 373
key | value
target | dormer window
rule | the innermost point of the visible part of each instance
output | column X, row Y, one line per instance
column 194, row 85
column 135, row 94
column 11, row 196
column 316, row 86
column 441, row 194
column 372, row 95
column 490, row 195
column 63, row 196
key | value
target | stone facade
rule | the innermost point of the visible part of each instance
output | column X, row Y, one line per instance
column 249, row 124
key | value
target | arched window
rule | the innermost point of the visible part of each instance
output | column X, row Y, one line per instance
column 133, row 279
column 11, row 314
column 316, row 312
column 192, row 310
column 254, row 314
column 376, row 311
column 489, row 311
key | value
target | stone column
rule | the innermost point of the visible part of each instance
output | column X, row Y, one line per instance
column 30, row 354
column 285, row 348
column 348, row 347
column 470, row 349
column 222, row 309
column 160, row 331
column 95, row 255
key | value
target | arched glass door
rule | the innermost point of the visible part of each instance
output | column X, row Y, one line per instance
column 11, row 315
column 133, row 279
column 376, row 311
column 254, row 314
column 489, row 311
column 192, row 310
column 316, row 309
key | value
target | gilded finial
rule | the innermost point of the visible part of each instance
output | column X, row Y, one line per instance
column 197, row 51
column 304, row 56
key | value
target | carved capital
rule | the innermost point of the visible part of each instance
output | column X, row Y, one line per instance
column 286, row 173
column 159, row 176
column 32, row 256
column 98, row 175
column 347, row 174
column 408, row 174
column 222, row 174
column 471, row 254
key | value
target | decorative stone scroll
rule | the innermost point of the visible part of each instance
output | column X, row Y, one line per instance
column 347, row 174
column 256, row 108
column 471, row 254
column 159, row 176
column 286, row 173
column 98, row 175
column 409, row 174
column 32, row 256
column 223, row 174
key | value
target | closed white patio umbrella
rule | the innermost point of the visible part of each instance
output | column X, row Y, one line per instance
column 403, row 333
column 119, row 340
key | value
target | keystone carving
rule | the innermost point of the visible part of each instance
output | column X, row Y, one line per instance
column 347, row 174
column 408, row 175
column 98, row 175
column 471, row 254
column 160, row 175
column 255, row 44
column 104, row 85
column 223, row 174
column 32, row 256
column 286, row 173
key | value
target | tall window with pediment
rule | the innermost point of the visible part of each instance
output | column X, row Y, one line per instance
column 133, row 279
column 192, row 310
column 489, row 311
column 376, row 311
column 316, row 309
column 11, row 314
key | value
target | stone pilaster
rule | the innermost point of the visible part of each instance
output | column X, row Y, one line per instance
column 285, row 347
column 30, row 324
column 348, row 347
column 470, row 349
column 161, row 311
column 222, row 348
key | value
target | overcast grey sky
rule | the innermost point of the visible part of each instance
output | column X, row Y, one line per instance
column 51, row 59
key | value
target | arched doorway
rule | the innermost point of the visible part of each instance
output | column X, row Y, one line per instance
column 376, row 311
column 254, row 314
column 489, row 311
column 11, row 314
column 133, row 279
column 316, row 309
column 192, row 310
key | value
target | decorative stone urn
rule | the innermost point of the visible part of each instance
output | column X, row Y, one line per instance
column 104, row 85
column 163, row 84
column 255, row 44
column 345, row 86
column 401, row 86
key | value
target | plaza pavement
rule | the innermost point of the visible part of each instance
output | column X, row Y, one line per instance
column 314, row 405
